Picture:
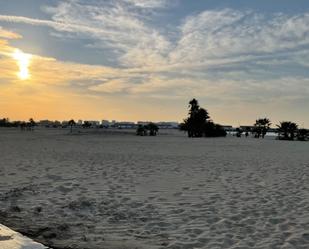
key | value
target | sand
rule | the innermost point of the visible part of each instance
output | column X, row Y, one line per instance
column 12, row 240
column 101, row 190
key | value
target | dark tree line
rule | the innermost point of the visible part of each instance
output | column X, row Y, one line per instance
column 5, row 122
column 286, row 130
column 198, row 123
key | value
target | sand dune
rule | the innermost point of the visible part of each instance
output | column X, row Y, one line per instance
column 121, row 191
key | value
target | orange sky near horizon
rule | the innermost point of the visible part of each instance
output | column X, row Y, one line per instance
column 56, row 90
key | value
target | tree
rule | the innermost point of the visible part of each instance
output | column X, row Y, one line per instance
column 71, row 123
column 153, row 129
column 197, row 124
column 214, row 130
column 261, row 127
column 196, row 121
column 31, row 124
column 4, row 122
column 287, row 130
column 141, row 130
column 193, row 107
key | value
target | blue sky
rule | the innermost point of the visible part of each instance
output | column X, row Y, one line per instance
column 242, row 59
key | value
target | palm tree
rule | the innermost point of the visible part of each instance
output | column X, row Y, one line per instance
column 153, row 129
column 196, row 121
column 193, row 107
column 261, row 127
column 141, row 130
column 71, row 123
column 31, row 124
column 287, row 130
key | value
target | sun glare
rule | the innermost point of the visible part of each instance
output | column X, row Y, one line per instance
column 23, row 61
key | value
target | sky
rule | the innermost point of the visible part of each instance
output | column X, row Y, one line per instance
column 145, row 59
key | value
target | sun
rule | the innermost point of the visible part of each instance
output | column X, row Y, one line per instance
column 23, row 61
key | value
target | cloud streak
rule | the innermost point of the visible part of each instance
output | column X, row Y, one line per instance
column 227, row 55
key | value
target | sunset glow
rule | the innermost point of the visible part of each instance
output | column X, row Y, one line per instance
column 247, row 56
column 23, row 61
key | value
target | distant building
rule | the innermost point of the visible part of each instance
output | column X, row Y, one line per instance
column 143, row 122
column 228, row 128
column 113, row 123
column 45, row 123
column 125, row 125
column 57, row 123
column 247, row 127
column 161, row 125
column 168, row 125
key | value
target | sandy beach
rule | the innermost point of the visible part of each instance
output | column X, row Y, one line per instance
column 109, row 190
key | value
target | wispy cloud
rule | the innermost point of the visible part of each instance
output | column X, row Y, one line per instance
column 224, row 54
column 231, row 33
column 148, row 3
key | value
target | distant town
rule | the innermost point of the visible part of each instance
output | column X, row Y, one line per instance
column 106, row 124
column 128, row 124
column 116, row 124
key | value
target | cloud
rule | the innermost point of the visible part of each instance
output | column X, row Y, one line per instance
column 232, row 33
column 203, row 39
column 60, row 26
column 226, row 55
column 148, row 3
column 110, row 24
column 6, row 34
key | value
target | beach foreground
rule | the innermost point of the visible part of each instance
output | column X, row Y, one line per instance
column 104, row 190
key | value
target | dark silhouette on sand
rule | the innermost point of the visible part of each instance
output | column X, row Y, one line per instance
column 86, row 124
column 261, row 127
column 239, row 131
column 71, row 123
column 150, row 129
column 28, row 126
column 287, row 130
column 303, row 135
column 198, row 123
